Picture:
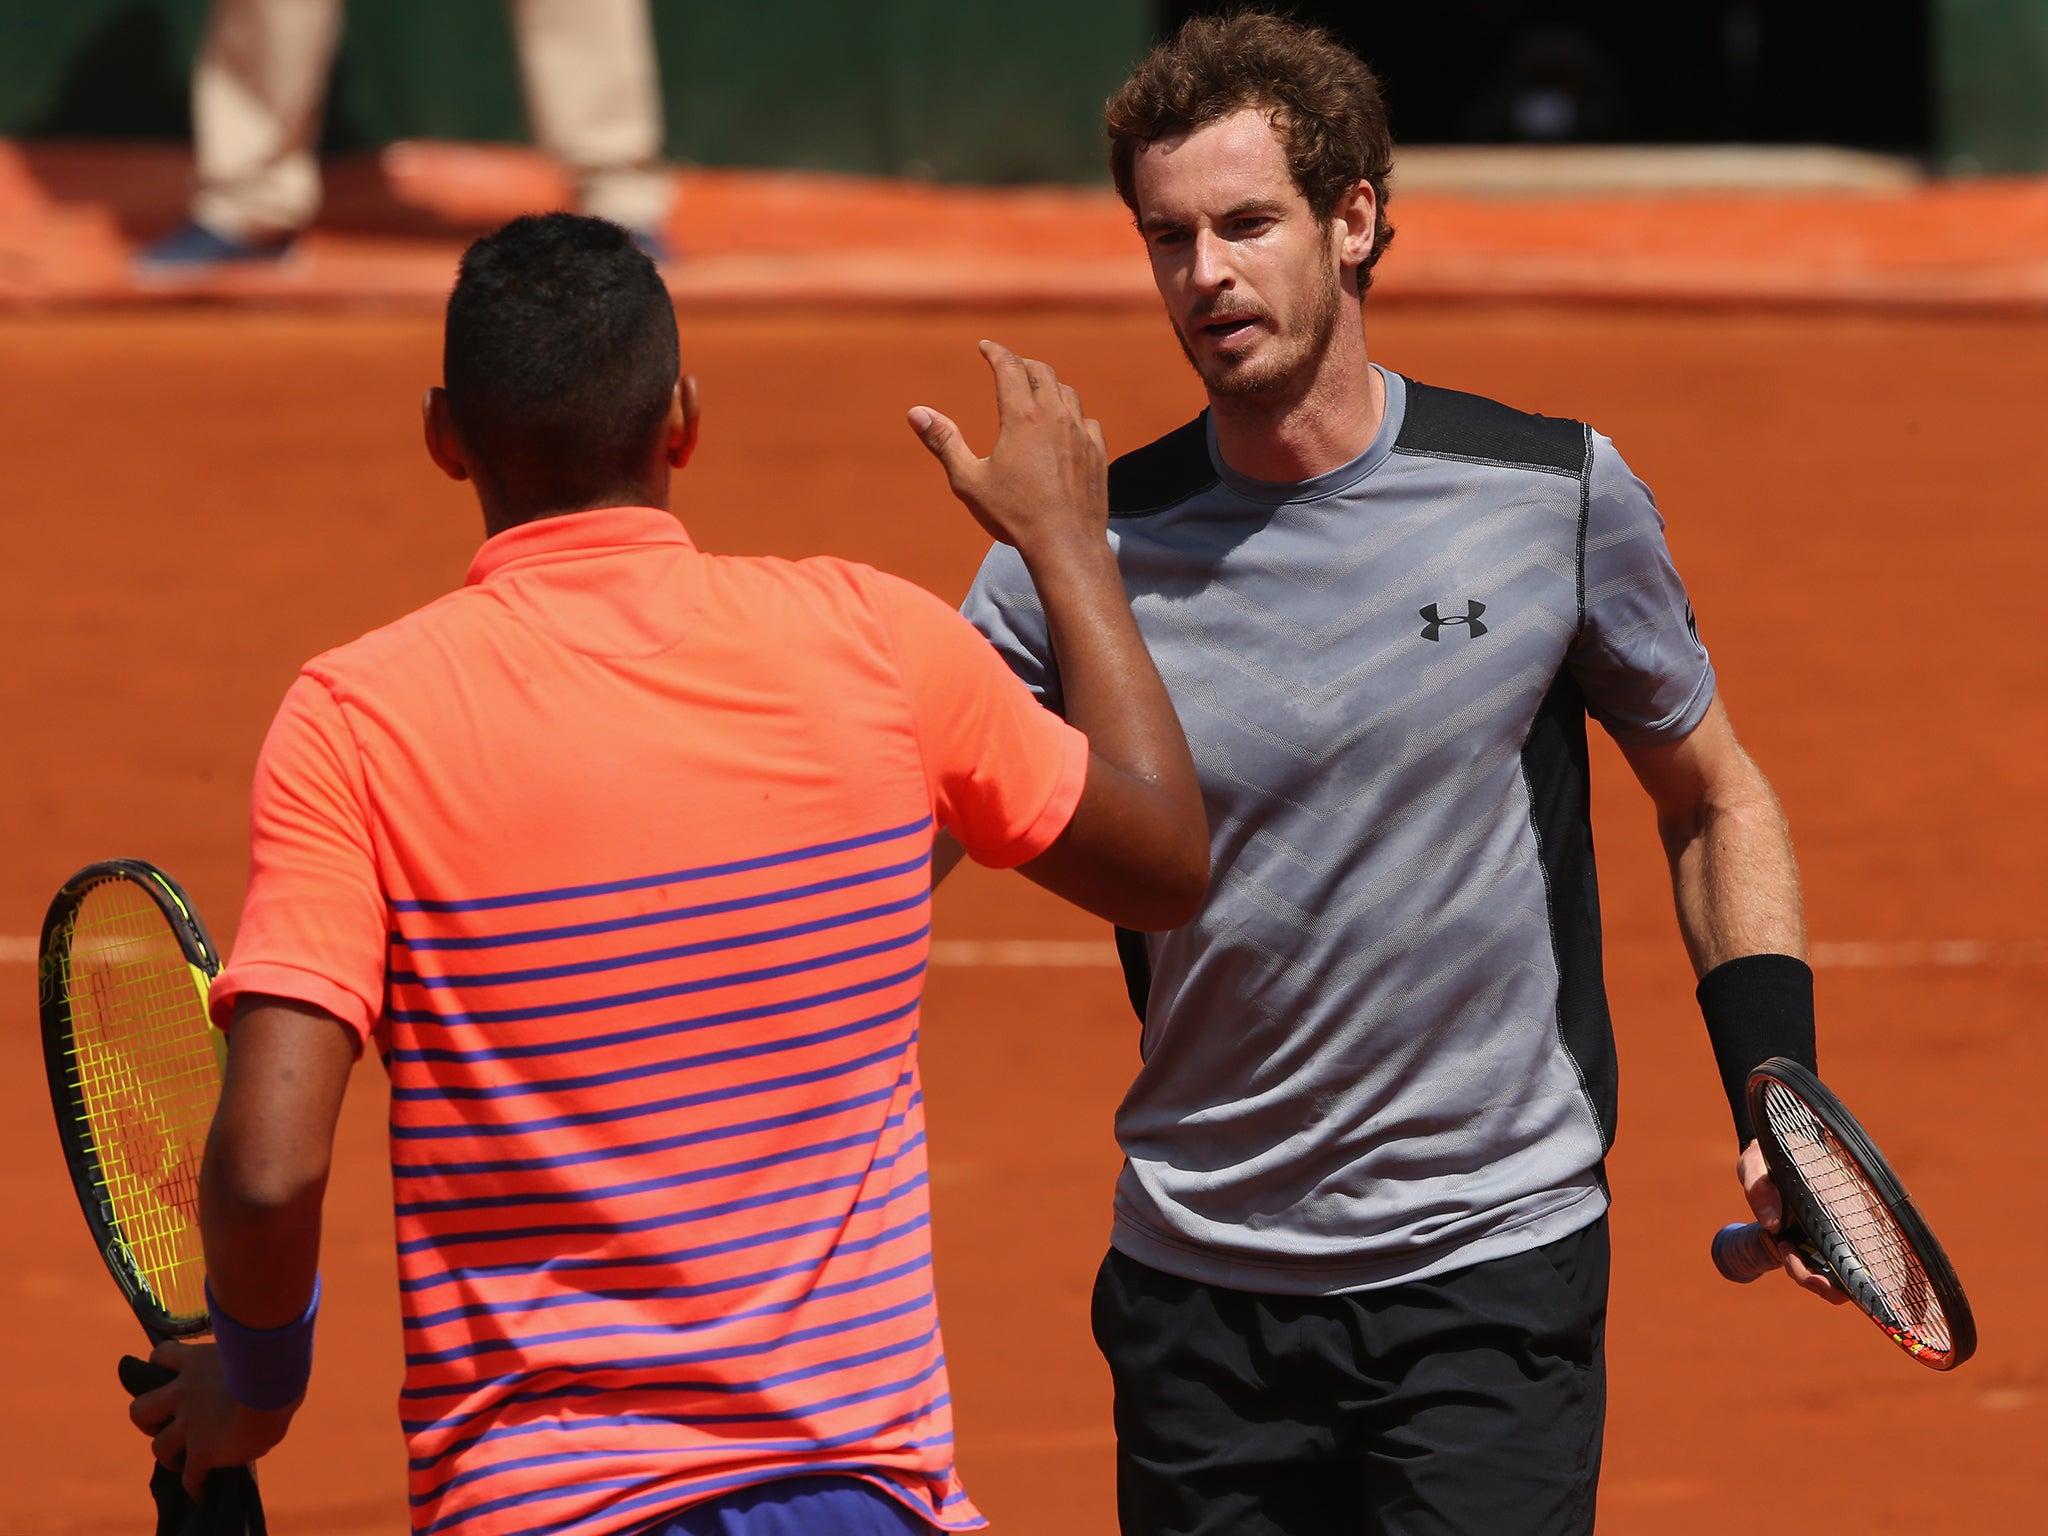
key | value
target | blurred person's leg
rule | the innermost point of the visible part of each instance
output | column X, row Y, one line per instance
column 256, row 100
column 593, row 95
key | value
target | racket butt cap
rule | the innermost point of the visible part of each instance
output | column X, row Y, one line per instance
column 1742, row 1252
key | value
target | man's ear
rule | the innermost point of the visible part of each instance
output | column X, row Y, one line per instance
column 443, row 446
column 1357, row 217
column 682, row 422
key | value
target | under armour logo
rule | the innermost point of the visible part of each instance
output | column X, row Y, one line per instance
column 1434, row 622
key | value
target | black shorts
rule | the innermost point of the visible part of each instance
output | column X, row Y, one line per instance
column 1469, row 1404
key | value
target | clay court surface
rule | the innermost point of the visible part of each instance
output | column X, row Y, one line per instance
column 196, row 500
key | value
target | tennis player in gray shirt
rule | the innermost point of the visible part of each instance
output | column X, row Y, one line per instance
column 1358, row 1272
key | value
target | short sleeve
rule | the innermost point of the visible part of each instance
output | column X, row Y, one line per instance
column 1005, row 774
column 314, row 924
column 1638, row 656
column 1003, row 604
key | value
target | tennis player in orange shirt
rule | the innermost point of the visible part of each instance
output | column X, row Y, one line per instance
column 620, row 858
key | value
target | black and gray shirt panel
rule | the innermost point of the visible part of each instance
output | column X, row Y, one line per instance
column 1382, row 1050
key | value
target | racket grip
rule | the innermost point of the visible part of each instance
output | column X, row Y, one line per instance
column 1742, row 1252
column 140, row 1376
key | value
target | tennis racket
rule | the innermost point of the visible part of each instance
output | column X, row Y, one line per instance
column 135, row 1072
column 1850, row 1219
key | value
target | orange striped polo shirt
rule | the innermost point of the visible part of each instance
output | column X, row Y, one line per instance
column 620, row 855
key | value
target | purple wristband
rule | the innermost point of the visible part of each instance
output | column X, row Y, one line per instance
column 265, row 1368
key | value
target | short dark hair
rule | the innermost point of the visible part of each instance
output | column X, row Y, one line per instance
column 1324, row 103
column 560, row 357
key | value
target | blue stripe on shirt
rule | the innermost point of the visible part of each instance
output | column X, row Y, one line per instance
column 574, row 1264
column 618, row 1153
column 864, row 1137
column 424, row 945
column 436, row 1093
column 605, row 1003
column 446, row 1240
column 807, row 1409
column 655, row 1107
column 711, row 1386
column 674, row 877
column 922, row 1409
column 489, row 1346
column 642, row 957
column 578, row 1043
column 607, row 1294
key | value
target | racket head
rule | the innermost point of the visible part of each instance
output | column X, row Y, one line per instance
column 134, row 1069
column 1856, row 1216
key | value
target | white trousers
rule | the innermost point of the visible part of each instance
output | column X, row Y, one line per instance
column 587, row 66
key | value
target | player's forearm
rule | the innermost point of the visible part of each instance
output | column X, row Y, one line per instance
column 262, row 1244
column 1137, row 850
column 1736, row 879
column 267, row 1158
column 1110, row 684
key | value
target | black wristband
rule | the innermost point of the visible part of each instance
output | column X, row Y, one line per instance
column 1756, row 1007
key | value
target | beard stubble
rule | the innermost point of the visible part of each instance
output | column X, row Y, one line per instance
column 1318, row 323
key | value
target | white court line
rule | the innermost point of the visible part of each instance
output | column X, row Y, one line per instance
column 1908, row 954
column 1838, row 955
column 1053, row 954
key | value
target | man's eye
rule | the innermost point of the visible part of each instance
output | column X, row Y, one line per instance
column 1250, row 229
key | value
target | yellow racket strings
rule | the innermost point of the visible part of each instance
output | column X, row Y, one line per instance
column 1867, row 1227
column 148, row 1081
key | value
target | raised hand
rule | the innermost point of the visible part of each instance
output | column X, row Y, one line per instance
column 1046, row 480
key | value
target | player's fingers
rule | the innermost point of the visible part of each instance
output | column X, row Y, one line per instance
column 1094, row 431
column 151, row 1411
column 169, row 1443
column 1071, row 398
column 942, row 437
column 1045, row 384
column 1757, row 1187
column 1013, row 383
column 1808, row 1280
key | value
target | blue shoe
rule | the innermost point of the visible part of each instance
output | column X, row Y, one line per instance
column 653, row 245
column 193, row 249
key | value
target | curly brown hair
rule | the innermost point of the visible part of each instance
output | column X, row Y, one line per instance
column 1323, row 101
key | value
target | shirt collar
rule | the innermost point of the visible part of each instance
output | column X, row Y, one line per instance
column 574, row 533
column 1329, row 483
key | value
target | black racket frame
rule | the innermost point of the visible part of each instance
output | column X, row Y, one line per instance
column 1806, row 1222
column 66, row 1095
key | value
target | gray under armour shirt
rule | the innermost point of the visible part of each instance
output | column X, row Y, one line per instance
column 1381, row 1050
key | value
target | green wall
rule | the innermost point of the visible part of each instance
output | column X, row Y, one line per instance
column 990, row 90
column 1992, row 85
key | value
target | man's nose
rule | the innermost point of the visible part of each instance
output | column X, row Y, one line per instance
column 1211, row 268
